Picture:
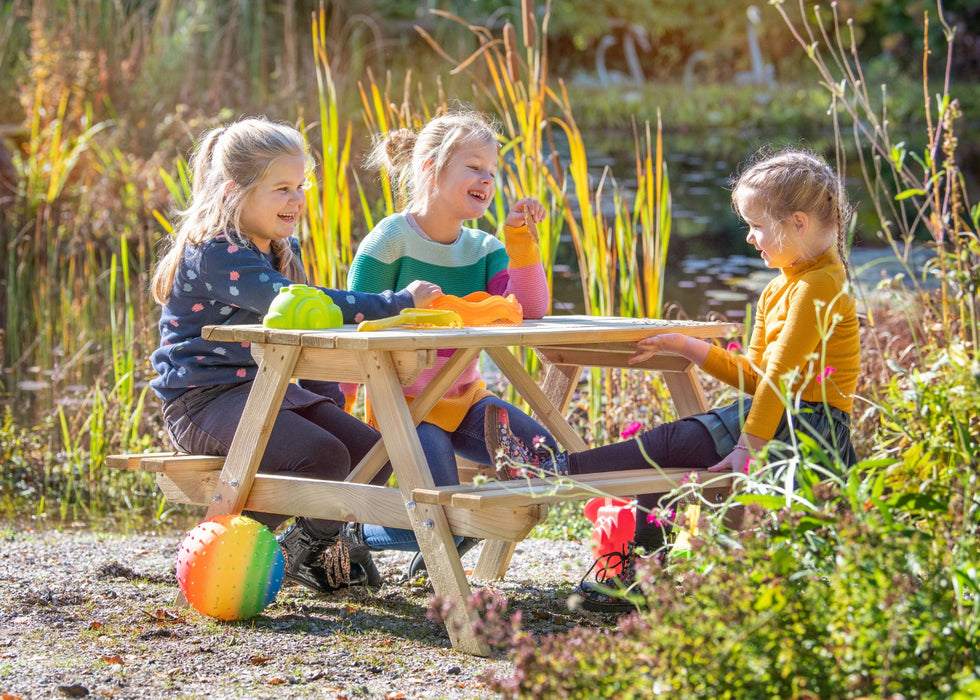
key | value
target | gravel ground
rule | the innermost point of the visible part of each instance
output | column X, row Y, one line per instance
column 86, row 614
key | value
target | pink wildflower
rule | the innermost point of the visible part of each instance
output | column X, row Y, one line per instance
column 631, row 429
column 661, row 517
column 538, row 442
column 826, row 373
column 733, row 346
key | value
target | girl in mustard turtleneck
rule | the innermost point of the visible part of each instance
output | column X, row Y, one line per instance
column 804, row 344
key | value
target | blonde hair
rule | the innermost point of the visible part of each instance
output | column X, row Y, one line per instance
column 793, row 180
column 405, row 153
column 226, row 165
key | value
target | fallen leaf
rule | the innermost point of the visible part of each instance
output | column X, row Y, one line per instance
column 95, row 625
column 278, row 681
column 8, row 696
column 114, row 659
column 259, row 660
column 162, row 615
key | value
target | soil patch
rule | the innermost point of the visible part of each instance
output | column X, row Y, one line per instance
column 87, row 614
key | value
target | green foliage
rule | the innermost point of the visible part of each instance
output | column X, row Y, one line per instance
column 856, row 590
column 565, row 521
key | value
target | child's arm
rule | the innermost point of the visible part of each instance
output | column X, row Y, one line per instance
column 527, row 280
column 694, row 349
column 362, row 306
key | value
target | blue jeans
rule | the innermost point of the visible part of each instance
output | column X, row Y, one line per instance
column 441, row 447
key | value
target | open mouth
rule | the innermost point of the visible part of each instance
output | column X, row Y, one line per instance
column 288, row 218
column 482, row 196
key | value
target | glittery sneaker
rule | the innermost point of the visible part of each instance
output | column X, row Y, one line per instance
column 512, row 457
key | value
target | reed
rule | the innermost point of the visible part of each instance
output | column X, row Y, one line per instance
column 912, row 193
column 327, row 245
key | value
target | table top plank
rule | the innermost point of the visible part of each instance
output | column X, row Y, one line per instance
column 551, row 330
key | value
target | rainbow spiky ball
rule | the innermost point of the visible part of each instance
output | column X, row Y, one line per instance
column 230, row 567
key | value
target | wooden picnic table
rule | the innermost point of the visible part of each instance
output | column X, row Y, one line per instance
column 384, row 361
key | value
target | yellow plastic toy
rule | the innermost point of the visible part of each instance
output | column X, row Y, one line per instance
column 482, row 309
column 415, row 318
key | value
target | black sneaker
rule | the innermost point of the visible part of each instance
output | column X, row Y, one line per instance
column 352, row 535
column 612, row 592
column 321, row 565
column 417, row 567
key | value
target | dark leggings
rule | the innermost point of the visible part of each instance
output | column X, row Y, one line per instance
column 316, row 441
column 680, row 444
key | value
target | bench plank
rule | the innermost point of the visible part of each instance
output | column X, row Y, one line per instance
column 378, row 505
column 496, row 494
column 165, row 462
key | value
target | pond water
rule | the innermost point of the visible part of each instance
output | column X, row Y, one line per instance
column 711, row 269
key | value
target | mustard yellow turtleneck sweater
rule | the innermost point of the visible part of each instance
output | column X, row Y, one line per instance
column 805, row 324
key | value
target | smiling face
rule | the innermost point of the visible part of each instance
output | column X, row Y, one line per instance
column 778, row 242
column 466, row 184
column 272, row 209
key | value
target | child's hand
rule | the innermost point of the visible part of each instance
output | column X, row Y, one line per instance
column 673, row 343
column 527, row 211
column 424, row 293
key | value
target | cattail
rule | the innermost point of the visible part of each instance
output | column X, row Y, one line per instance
column 510, row 52
column 530, row 25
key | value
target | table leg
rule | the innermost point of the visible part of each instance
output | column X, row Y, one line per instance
column 559, row 384
column 420, row 407
column 686, row 392
column 252, row 434
column 429, row 521
column 542, row 406
column 254, row 428
column 494, row 560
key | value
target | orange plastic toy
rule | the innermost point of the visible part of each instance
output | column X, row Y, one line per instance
column 615, row 524
column 482, row 309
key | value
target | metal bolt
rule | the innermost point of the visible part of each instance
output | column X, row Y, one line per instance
column 410, row 505
column 428, row 524
column 233, row 483
column 216, row 498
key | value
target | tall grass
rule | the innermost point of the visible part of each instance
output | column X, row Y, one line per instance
column 913, row 193
column 328, row 246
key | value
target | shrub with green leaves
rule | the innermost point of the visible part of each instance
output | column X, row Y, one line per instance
column 804, row 603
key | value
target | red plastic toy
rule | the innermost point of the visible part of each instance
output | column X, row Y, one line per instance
column 615, row 525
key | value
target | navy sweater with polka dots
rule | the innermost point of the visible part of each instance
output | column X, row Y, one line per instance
column 223, row 282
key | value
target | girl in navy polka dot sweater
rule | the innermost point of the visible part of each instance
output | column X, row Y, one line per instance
column 232, row 251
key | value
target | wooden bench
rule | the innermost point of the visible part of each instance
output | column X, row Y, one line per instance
column 192, row 480
column 500, row 512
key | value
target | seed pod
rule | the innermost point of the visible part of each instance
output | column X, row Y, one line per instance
column 530, row 25
column 510, row 49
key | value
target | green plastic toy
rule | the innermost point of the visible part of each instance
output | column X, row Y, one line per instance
column 302, row 307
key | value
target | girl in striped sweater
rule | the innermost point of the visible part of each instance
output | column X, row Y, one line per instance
column 448, row 171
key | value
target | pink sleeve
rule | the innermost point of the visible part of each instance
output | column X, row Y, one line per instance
column 528, row 284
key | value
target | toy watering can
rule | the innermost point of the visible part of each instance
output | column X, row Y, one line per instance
column 615, row 527
column 302, row 307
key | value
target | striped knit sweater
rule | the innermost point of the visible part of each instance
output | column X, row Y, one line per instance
column 394, row 254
